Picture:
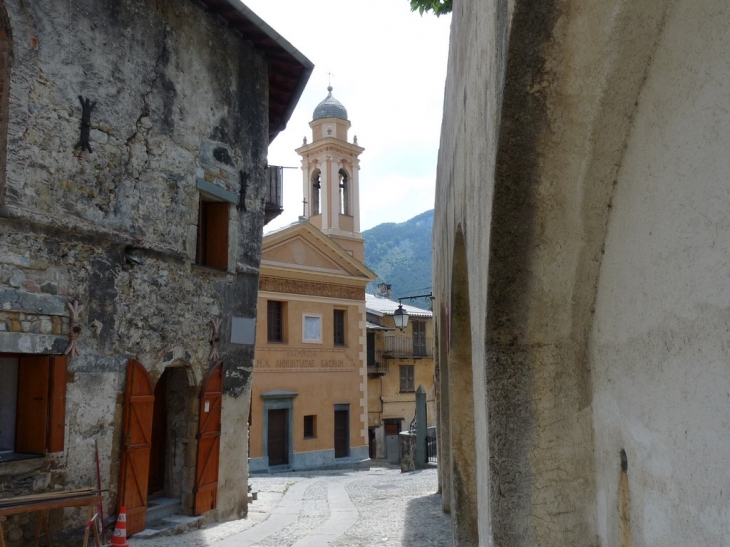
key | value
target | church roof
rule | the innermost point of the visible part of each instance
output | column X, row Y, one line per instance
column 329, row 108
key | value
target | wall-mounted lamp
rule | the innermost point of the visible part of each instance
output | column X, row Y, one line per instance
column 400, row 315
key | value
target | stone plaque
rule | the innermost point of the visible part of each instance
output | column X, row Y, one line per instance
column 243, row 330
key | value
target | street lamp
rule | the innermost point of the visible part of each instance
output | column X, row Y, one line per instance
column 400, row 316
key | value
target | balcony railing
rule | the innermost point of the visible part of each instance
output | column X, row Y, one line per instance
column 274, row 193
column 395, row 347
column 380, row 366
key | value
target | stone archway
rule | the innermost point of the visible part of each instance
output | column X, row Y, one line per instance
column 463, row 495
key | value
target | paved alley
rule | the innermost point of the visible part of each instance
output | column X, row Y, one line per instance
column 378, row 507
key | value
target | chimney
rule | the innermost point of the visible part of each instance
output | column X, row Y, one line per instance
column 384, row 290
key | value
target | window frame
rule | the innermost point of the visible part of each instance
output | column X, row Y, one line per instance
column 312, row 427
column 418, row 338
column 276, row 322
column 212, row 239
column 401, row 370
column 339, row 327
column 40, row 408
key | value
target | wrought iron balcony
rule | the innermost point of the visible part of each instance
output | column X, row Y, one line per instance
column 274, row 193
column 376, row 364
column 402, row 347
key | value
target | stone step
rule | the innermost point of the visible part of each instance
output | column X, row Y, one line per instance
column 158, row 508
column 170, row 526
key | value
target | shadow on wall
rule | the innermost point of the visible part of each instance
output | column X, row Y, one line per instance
column 425, row 523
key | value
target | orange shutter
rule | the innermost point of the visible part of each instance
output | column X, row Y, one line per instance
column 209, row 435
column 57, row 404
column 30, row 430
column 139, row 401
column 217, row 235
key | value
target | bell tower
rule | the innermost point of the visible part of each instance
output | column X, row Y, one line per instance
column 330, row 167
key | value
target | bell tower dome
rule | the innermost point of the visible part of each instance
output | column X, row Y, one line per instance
column 330, row 167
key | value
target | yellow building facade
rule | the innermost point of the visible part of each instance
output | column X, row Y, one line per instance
column 397, row 363
column 309, row 398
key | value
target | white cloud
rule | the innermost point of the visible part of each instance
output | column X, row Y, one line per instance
column 389, row 67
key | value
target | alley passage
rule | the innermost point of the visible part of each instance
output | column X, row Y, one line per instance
column 379, row 507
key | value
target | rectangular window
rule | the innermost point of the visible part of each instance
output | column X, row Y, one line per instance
column 212, row 244
column 371, row 350
column 339, row 327
column 32, row 405
column 310, row 427
column 419, row 338
column 275, row 321
column 406, row 378
column 312, row 328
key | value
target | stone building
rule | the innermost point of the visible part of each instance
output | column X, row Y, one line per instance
column 133, row 192
column 309, row 402
column 580, row 270
column 398, row 362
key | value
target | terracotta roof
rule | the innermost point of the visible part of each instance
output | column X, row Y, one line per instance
column 289, row 70
column 387, row 307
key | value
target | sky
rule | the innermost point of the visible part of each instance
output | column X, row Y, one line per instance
column 388, row 68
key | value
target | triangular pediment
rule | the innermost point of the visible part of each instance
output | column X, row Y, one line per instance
column 304, row 248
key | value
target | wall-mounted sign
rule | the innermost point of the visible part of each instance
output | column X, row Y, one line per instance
column 304, row 360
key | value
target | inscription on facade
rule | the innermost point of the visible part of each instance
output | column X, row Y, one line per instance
column 304, row 360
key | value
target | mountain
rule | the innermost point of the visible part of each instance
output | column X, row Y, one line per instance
column 401, row 255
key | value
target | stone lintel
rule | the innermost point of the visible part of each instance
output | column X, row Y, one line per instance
column 35, row 303
column 21, row 342
column 217, row 191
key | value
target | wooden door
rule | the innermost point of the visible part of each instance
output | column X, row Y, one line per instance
column 342, row 433
column 209, row 441
column 159, row 438
column 278, row 436
column 139, row 402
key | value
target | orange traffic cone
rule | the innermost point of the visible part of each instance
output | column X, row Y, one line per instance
column 119, row 539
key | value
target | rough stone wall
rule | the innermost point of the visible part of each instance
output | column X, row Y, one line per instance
column 180, row 98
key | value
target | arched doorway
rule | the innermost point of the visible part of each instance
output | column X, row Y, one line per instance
column 172, row 465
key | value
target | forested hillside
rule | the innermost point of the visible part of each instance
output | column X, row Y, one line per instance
column 401, row 255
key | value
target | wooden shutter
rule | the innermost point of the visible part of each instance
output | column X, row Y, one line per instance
column 57, row 403
column 209, row 437
column 136, row 441
column 216, row 235
column 32, row 419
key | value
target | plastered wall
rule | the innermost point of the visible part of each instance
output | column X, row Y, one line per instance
column 579, row 213
column 659, row 349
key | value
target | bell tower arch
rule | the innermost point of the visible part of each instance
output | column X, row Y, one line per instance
column 330, row 169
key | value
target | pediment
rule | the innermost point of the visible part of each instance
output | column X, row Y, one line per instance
column 303, row 247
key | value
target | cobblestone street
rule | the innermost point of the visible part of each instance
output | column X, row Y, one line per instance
column 379, row 507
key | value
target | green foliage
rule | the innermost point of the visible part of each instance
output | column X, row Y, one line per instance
column 438, row 7
column 400, row 254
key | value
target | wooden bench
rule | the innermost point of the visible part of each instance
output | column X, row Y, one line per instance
column 42, row 503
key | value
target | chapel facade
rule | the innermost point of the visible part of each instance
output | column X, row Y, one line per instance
column 309, row 402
